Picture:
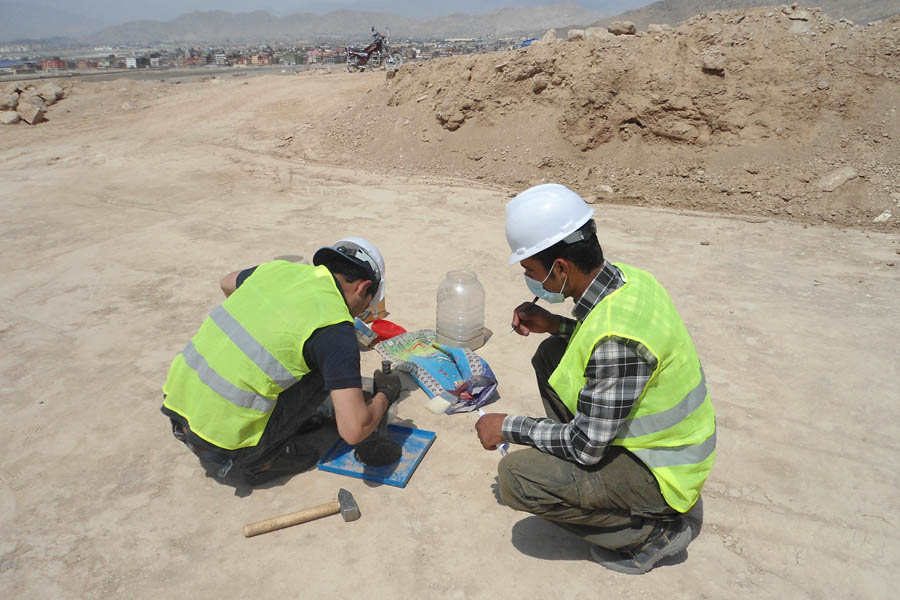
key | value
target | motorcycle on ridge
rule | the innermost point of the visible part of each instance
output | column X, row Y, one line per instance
column 377, row 54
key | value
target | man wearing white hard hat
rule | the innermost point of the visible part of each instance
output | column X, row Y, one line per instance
column 630, row 432
column 252, row 381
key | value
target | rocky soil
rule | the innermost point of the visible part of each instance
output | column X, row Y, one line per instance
column 772, row 112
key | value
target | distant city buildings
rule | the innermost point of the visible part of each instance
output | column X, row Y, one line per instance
column 53, row 64
column 16, row 59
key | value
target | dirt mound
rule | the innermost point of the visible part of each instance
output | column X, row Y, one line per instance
column 735, row 111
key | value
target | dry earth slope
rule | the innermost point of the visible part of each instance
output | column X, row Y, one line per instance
column 734, row 111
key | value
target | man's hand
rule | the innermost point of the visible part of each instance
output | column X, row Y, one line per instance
column 387, row 384
column 489, row 428
column 528, row 318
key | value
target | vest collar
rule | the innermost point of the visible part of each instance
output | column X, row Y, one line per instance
column 608, row 280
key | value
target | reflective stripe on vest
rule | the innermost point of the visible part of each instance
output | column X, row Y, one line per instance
column 658, row 458
column 241, row 338
column 648, row 424
column 222, row 386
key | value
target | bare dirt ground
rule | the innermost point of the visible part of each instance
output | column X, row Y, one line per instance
column 652, row 117
column 121, row 213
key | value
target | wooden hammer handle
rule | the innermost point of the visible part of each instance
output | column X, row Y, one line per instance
column 295, row 518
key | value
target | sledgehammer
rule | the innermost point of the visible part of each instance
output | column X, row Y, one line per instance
column 345, row 504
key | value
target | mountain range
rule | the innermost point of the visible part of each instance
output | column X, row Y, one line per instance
column 221, row 26
column 23, row 21
column 256, row 26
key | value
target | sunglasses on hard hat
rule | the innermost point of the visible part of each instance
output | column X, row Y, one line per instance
column 361, row 257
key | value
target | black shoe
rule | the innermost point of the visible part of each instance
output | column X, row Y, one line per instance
column 666, row 539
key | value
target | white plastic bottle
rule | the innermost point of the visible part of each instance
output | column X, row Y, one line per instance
column 460, row 310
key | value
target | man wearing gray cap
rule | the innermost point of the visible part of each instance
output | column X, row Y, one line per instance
column 252, row 380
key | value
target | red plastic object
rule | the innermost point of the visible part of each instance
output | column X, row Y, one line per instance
column 386, row 329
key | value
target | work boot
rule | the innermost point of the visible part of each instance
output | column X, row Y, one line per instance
column 666, row 539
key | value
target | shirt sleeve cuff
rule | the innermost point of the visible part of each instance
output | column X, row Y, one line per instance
column 343, row 384
column 515, row 430
column 566, row 326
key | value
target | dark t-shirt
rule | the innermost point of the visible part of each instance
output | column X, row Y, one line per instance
column 331, row 350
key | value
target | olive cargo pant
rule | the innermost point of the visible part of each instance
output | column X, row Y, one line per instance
column 612, row 504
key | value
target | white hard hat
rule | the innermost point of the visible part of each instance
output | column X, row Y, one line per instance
column 543, row 215
column 360, row 252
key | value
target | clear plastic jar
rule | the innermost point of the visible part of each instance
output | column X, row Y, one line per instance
column 460, row 310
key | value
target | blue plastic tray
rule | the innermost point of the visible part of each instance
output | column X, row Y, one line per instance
column 341, row 457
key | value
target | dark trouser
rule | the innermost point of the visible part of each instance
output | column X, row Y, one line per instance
column 613, row 504
column 279, row 451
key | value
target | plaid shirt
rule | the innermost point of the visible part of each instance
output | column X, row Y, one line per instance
column 616, row 375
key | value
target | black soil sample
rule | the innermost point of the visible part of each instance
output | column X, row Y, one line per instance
column 379, row 452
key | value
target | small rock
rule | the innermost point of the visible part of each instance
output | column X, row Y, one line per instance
column 549, row 37
column 32, row 98
column 30, row 113
column 704, row 243
column 590, row 199
column 605, row 192
column 714, row 62
column 751, row 169
column 576, row 35
column 836, row 179
column 51, row 93
column 882, row 217
column 539, row 84
column 9, row 101
column 597, row 33
column 499, row 67
column 823, row 84
column 622, row 28
column 9, row 117
column 422, row 97
column 799, row 15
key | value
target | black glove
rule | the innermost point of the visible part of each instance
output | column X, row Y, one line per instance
column 388, row 384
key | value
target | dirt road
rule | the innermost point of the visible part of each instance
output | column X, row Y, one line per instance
column 121, row 214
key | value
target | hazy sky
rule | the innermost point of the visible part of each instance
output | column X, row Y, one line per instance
column 33, row 19
column 117, row 11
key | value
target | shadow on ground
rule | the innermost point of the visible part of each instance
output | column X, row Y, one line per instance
column 541, row 539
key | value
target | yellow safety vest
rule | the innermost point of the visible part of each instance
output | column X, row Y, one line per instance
column 226, row 381
column 672, row 426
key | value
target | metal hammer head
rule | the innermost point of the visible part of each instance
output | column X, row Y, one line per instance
column 349, row 508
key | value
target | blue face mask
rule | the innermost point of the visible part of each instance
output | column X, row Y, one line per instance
column 537, row 288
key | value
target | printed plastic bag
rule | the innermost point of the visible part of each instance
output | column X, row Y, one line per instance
column 457, row 374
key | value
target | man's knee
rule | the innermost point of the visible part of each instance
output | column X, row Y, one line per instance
column 511, row 491
column 523, row 479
